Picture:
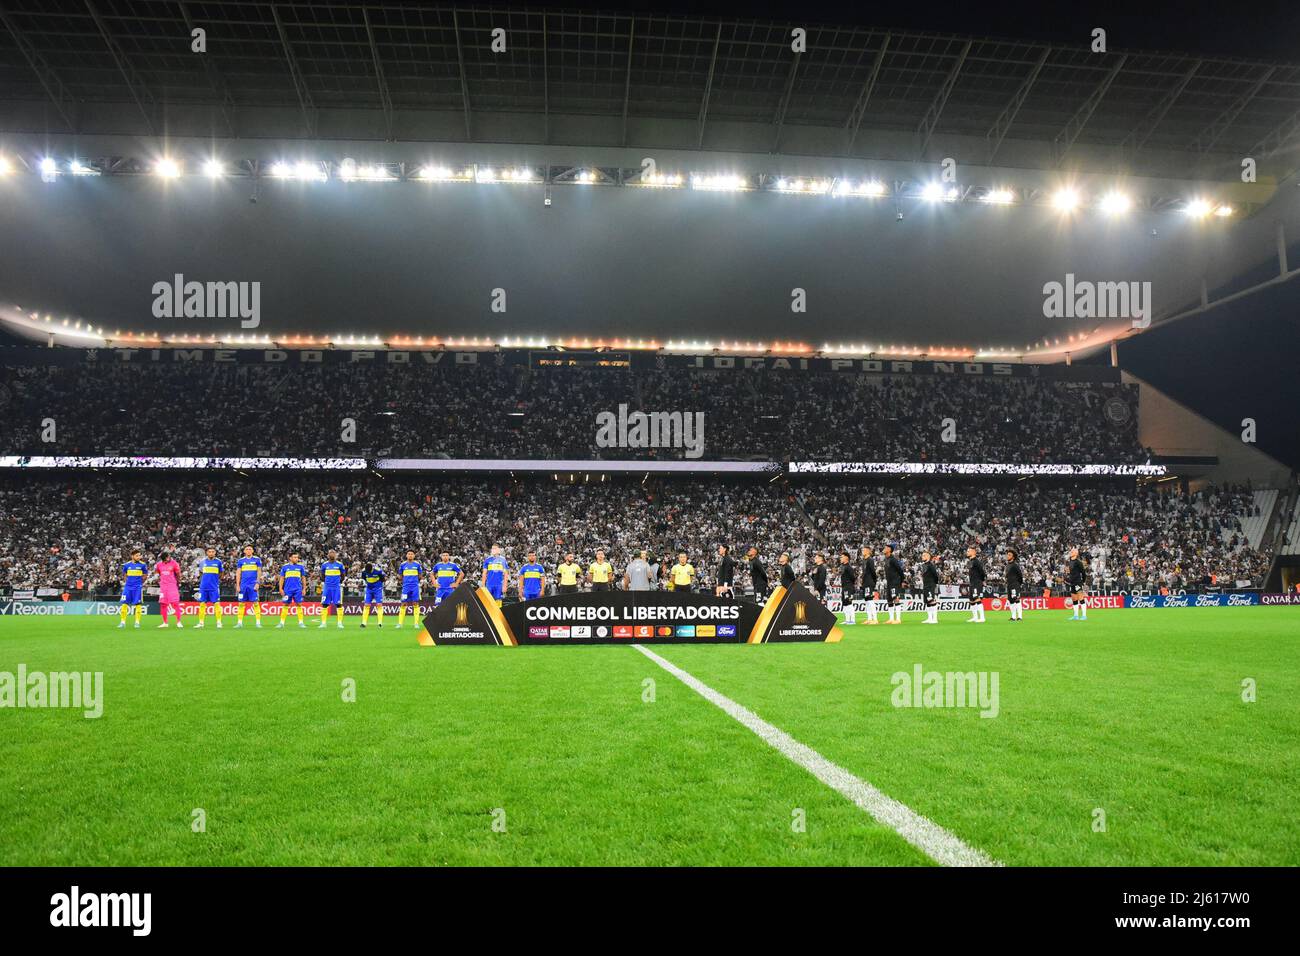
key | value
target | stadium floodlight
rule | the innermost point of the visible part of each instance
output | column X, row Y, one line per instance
column 722, row 182
column 799, row 185
column 1000, row 197
column 869, row 188
column 349, row 171
column 934, row 192
column 523, row 174
column 214, row 169
column 443, row 174
column 303, row 171
column 1065, row 200
column 659, row 179
column 167, row 168
column 6, row 167
column 1115, row 204
column 1224, row 211
column 78, row 168
column 1198, row 208
column 49, row 169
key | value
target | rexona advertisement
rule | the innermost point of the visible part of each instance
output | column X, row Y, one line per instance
column 471, row 616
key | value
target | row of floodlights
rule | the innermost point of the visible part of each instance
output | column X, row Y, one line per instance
column 1066, row 199
column 85, row 330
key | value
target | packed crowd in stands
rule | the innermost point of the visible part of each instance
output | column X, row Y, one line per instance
column 486, row 410
column 1137, row 538
column 72, row 533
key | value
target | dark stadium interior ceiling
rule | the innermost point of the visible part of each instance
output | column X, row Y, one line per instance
column 423, row 258
column 114, row 84
column 424, row 72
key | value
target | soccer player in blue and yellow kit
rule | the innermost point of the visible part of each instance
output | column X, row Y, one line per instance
column 210, row 569
column 248, row 570
column 532, row 579
column 373, row 577
column 293, row 577
column 411, row 572
column 446, row 575
column 133, row 575
column 332, row 573
column 495, row 571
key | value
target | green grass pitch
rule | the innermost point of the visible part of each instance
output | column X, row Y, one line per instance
column 1136, row 713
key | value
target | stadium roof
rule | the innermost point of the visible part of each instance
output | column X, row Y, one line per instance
column 424, row 72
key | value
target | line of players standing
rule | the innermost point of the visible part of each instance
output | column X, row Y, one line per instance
column 860, row 583
column 862, row 587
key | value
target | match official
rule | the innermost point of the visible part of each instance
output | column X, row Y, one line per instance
column 682, row 574
column 567, row 574
column 600, row 573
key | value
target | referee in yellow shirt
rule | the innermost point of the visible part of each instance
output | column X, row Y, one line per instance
column 600, row 573
column 567, row 574
column 682, row 574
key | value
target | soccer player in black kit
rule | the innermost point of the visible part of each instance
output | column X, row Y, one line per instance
column 1015, row 585
column 1078, row 575
column 757, row 575
column 930, row 586
column 726, row 571
column 893, row 585
column 787, row 570
column 819, row 573
column 867, row 582
column 848, row 588
column 975, row 578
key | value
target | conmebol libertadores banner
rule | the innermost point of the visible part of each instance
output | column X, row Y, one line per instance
column 471, row 616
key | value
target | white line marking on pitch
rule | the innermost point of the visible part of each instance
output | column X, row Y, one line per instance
column 924, row 834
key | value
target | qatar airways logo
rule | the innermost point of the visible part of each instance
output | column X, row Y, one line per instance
column 1083, row 299
column 179, row 299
